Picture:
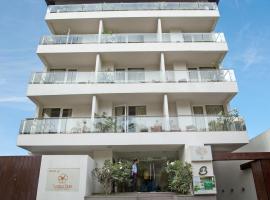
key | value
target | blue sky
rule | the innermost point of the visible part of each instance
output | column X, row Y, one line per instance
column 245, row 24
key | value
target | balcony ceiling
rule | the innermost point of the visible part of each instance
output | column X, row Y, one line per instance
column 53, row 2
column 132, row 59
column 187, row 24
column 73, row 100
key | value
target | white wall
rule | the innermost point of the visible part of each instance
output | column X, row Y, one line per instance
column 229, row 177
column 81, row 111
column 261, row 143
column 80, row 182
column 100, row 157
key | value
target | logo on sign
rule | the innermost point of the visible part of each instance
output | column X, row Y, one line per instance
column 203, row 171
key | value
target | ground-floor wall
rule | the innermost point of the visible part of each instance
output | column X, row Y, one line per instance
column 19, row 177
column 232, row 182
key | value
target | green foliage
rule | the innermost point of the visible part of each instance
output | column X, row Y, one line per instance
column 118, row 172
column 179, row 176
column 104, row 176
column 121, row 172
column 225, row 121
column 105, row 124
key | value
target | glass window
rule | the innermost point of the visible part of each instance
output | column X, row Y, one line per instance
column 67, row 113
column 214, row 109
column 51, row 112
column 197, row 110
column 136, row 110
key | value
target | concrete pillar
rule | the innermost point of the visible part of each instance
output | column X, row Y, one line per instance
column 166, row 113
column 38, row 111
column 162, row 68
column 94, row 111
column 100, row 30
column 97, row 67
column 159, row 30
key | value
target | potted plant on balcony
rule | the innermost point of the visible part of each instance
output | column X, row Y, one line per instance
column 225, row 121
column 105, row 124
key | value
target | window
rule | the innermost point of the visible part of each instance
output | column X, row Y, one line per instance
column 136, row 110
column 197, row 110
column 214, row 109
column 56, row 112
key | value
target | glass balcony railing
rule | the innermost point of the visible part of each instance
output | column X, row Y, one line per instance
column 131, row 124
column 132, row 77
column 133, row 38
column 132, row 6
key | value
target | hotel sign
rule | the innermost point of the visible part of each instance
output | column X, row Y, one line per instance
column 63, row 179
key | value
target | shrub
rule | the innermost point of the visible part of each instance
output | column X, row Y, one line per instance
column 179, row 176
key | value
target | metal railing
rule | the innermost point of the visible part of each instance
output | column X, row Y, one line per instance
column 132, row 6
column 133, row 38
column 132, row 124
column 132, row 77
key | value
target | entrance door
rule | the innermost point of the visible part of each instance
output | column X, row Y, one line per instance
column 199, row 120
column 120, row 113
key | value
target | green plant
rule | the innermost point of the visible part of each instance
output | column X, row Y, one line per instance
column 104, row 176
column 118, row 173
column 121, row 172
column 107, row 32
column 224, row 122
column 105, row 124
column 179, row 176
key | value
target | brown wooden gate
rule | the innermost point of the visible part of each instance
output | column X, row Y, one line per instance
column 19, row 177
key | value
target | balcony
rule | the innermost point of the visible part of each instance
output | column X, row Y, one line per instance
column 131, row 124
column 132, row 17
column 133, row 38
column 132, row 6
column 81, row 50
column 132, row 77
column 205, row 84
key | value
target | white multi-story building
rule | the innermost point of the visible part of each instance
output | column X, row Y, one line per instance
column 132, row 80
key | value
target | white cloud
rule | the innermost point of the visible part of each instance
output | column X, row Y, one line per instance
column 13, row 99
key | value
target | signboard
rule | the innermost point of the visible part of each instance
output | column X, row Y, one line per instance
column 202, row 169
column 201, row 153
column 63, row 179
column 204, row 185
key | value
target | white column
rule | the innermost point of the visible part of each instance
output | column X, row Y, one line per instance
column 100, row 30
column 166, row 113
column 159, row 30
column 162, row 68
column 98, row 66
column 94, row 111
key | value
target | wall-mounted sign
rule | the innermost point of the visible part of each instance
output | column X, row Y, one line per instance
column 204, row 185
column 63, row 179
column 201, row 153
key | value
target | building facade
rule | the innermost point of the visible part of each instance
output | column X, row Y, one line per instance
column 125, row 80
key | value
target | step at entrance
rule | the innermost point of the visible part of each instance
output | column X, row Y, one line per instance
column 149, row 196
